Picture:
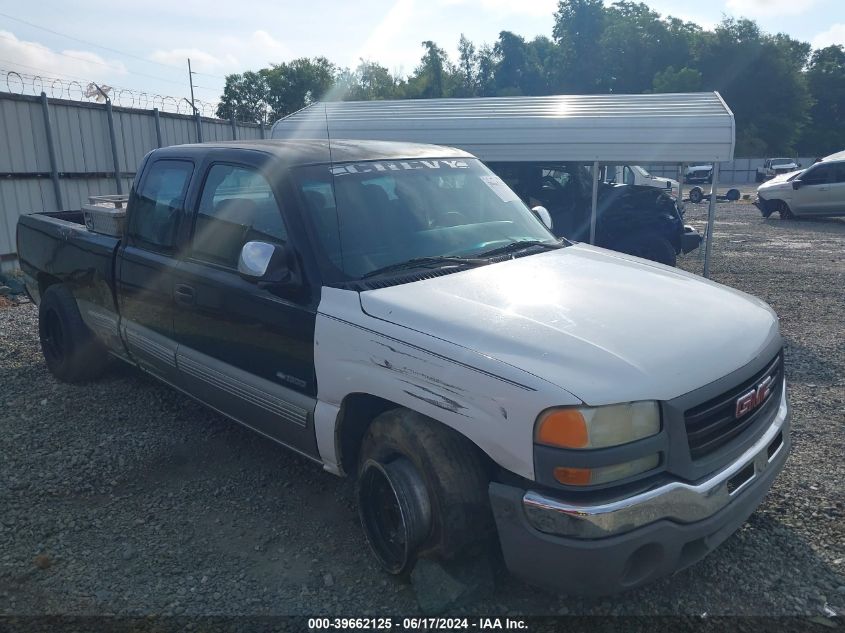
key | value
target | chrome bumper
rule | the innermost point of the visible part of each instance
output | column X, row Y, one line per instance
column 677, row 501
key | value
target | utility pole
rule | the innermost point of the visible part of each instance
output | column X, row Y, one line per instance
column 193, row 106
column 191, row 81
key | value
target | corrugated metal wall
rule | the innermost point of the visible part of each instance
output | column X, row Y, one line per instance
column 83, row 151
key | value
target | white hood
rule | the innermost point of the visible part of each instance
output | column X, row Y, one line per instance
column 596, row 323
column 780, row 178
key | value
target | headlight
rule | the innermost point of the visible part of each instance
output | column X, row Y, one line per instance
column 597, row 427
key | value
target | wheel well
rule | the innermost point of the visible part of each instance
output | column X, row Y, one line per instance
column 45, row 281
column 357, row 411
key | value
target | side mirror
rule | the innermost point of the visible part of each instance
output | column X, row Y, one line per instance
column 796, row 184
column 544, row 215
column 268, row 265
column 799, row 164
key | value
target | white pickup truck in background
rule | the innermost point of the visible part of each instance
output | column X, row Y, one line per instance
column 638, row 175
column 775, row 167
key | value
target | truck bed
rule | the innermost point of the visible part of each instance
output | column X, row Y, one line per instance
column 56, row 246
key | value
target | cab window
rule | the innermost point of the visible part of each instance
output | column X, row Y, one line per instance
column 819, row 175
column 237, row 206
column 158, row 203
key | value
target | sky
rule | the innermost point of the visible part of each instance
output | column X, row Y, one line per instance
column 143, row 46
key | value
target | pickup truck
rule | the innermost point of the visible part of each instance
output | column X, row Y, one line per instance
column 639, row 175
column 775, row 167
column 698, row 174
column 395, row 313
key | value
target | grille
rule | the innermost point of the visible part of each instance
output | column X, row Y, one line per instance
column 713, row 424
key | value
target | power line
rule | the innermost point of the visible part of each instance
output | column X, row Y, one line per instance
column 105, row 48
column 113, row 68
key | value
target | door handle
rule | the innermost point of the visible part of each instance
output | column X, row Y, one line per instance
column 184, row 294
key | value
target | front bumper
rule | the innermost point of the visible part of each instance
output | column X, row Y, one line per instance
column 690, row 240
column 610, row 547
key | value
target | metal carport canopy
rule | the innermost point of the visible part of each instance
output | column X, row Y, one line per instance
column 650, row 128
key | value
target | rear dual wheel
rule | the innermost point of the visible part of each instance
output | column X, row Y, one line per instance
column 422, row 490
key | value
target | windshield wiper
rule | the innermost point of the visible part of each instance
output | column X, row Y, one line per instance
column 519, row 245
column 418, row 262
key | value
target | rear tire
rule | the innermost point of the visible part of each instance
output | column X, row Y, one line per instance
column 422, row 490
column 72, row 352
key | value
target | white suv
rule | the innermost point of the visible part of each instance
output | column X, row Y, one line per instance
column 818, row 190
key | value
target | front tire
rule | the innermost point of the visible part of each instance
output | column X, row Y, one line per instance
column 422, row 490
column 785, row 212
column 72, row 352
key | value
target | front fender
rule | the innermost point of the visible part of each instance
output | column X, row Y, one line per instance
column 491, row 403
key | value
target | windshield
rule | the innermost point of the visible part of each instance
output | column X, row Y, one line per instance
column 371, row 215
column 641, row 171
column 781, row 161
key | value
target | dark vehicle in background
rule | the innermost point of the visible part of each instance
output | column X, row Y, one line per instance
column 633, row 219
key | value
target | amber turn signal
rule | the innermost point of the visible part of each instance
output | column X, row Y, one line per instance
column 565, row 428
column 573, row 476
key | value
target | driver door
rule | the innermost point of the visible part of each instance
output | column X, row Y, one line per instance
column 814, row 194
column 243, row 349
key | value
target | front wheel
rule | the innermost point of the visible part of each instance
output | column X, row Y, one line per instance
column 785, row 212
column 422, row 490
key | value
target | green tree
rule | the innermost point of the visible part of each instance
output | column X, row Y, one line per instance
column 467, row 71
column 517, row 70
column 294, row 85
column 578, row 29
column 826, row 81
column 486, row 77
column 245, row 96
column 681, row 80
column 761, row 79
column 632, row 47
column 434, row 77
column 373, row 81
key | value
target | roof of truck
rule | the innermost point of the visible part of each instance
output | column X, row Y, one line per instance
column 308, row 151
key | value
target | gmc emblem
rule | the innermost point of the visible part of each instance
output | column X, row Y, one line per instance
column 747, row 402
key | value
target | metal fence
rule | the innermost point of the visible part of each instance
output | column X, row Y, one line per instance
column 54, row 153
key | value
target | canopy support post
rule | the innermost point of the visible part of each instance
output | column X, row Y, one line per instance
column 711, row 218
column 595, row 202
column 681, row 185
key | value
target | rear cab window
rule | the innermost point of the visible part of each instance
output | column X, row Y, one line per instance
column 158, row 204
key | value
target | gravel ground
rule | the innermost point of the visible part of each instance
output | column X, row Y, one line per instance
column 126, row 497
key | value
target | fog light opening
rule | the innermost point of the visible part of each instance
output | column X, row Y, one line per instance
column 642, row 564
column 739, row 480
column 774, row 447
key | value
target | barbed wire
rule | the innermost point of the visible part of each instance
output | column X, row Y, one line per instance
column 22, row 83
